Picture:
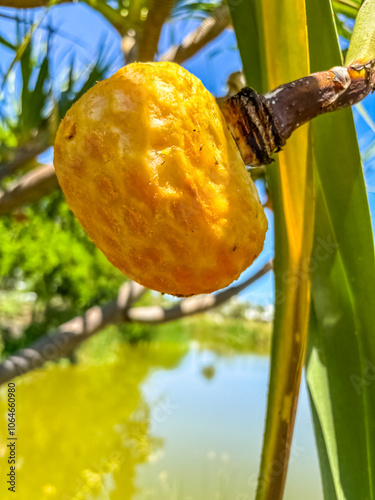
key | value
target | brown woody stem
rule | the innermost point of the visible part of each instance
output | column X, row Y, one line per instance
column 68, row 336
column 261, row 124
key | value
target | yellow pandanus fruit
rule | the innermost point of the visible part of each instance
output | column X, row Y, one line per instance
column 151, row 171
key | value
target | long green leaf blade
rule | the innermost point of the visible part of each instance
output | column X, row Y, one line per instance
column 291, row 186
column 247, row 22
column 342, row 335
column 279, row 55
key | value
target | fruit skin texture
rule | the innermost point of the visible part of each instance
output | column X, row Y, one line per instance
column 150, row 170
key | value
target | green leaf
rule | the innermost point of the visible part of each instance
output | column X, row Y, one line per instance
column 341, row 347
column 6, row 43
column 247, row 23
column 272, row 55
column 23, row 45
column 362, row 44
column 39, row 94
column 95, row 74
column 65, row 98
column 34, row 100
column 26, row 71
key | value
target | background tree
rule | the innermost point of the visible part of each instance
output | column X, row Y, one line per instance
column 68, row 283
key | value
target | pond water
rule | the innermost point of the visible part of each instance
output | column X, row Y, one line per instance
column 156, row 421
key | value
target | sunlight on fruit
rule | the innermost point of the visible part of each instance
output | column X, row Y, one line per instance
column 150, row 170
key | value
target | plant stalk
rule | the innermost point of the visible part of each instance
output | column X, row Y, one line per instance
column 261, row 124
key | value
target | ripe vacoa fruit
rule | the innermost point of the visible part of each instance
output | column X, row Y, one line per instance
column 152, row 173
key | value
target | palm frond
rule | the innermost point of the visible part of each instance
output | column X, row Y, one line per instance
column 33, row 113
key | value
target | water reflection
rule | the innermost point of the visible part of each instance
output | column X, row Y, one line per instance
column 212, row 442
column 83, row 429
column 159, row 421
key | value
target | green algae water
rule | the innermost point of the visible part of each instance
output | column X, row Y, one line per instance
column 161, row 420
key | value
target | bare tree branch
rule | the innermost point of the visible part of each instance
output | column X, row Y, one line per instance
column 31, row 187
column 261, row 124
column 22, row 155
column 69, row 335
column 195, row 41
column 192, row 305
column 142, row 45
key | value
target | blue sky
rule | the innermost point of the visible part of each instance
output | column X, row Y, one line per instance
column 82, row 30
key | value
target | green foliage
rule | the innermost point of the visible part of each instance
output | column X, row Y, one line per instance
column 70, row 93
column 48, row 253
column 24, row 116
column 43, row 249
column 341, row 342
column 247, row 24
column 32, row 117
column 273, row 53
column 341, row 338
column 4, row 41
column 105, row 425
column 348, row 8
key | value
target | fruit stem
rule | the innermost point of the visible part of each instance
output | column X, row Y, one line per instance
column 261, row 124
